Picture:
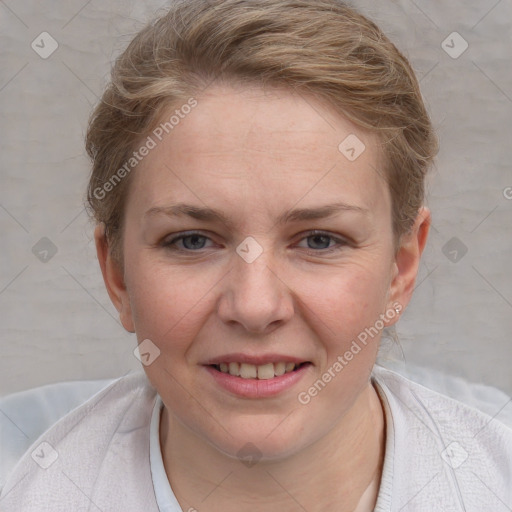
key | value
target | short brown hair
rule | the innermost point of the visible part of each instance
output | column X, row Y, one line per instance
column 320, row 47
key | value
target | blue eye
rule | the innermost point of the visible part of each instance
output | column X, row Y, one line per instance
column 319, row 239
column 194, row 241
column 321, row 242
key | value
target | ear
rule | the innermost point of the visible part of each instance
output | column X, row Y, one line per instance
column 407, row 262
column 113, row 278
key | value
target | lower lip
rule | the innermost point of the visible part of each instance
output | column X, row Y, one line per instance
column 257, row 388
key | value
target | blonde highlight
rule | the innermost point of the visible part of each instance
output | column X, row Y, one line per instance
column 323, row 48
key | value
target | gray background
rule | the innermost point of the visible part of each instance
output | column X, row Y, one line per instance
column 57, row 322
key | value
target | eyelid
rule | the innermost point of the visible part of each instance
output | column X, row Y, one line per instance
column 340, row 241
column 313, row 232
column 176, row 237
column 306, row 234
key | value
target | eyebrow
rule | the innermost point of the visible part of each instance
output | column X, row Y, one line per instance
column 295, row 215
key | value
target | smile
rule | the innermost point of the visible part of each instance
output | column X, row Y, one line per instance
column 261, row 372
column 248, row 380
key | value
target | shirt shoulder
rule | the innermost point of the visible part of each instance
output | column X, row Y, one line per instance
column 440, row 452
column 25, row 415
column 98, row 454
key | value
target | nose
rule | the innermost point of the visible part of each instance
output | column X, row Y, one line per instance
column 255, row 295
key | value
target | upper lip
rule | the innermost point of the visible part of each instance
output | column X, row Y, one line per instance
column 254, row 359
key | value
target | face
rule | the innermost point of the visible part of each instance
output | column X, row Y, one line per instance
column 259, row 268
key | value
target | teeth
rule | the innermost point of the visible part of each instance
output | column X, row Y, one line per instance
column 233, row 369
column 279, row 368
column 289, row 367
column 251, row 371
column 248, row 371
column 266, row 371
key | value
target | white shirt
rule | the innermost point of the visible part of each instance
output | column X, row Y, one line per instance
column 165, row 498
column 441, row 455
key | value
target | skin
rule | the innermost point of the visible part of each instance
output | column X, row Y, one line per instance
column 255, row 154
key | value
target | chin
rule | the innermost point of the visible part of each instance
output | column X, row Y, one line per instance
column 260, row 442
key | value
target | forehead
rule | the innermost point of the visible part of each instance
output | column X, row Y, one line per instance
column 271, row 147
column 250, row 115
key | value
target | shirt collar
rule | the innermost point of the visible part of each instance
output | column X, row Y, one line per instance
column 165, row 498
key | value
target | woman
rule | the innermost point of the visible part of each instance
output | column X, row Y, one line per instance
column 258, row 185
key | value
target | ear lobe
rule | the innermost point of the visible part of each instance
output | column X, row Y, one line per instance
column 113, row 278
column 408, row 258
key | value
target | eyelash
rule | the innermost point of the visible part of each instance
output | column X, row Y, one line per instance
column 168, row 244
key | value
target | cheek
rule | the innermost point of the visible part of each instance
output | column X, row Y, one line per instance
column 168, row 303
column 345, row 299
column 344, row 311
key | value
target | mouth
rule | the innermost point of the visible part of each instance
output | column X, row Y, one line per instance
column 258, row 372
column 256, row 375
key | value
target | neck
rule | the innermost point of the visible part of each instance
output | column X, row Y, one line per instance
column 335, row 471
